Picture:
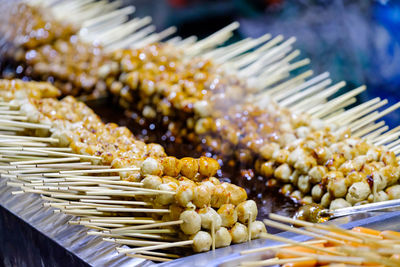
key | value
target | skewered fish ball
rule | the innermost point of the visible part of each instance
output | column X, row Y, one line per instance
column 152, row 181
column 191, row 222
column 238, row 194
column 219, row 197
column 358, row 192
column 380, row 181
column 156, row 150
column 151, row 166
column 239, row 233
column 201, row 196
column 326, row 200
column 246, row 211
column 390, row 173
column 267, row 169
column 307, row 200
column 337, row 184
column 304, row 184
column 339, row 203
column 201, row 241
column 184, row 194
column 317, row 192
column 317, row 173
column 283, row 173
column 380, row 196
column 268, row 150
column 228, row 215
column 190, row 167
column 171, row 166
column 222, row 238
column 208, row 167
column 165, row 199
column 393, row 192
column 256, row 228
column 209, row 217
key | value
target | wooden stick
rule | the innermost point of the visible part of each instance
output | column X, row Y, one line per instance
column 358, row 125
column 42, row 161
column 100, row 171
column 134, row 210
column 309, row 226
column 275, row 261
column 368, row 129
column 138, row 189
column 147, row 226
column 156, row 247
column 152, row 258
column 134, row 242
column 31, row 138
column 121, row 202
column 300, row 231
column 300, row 244
column 162, row 254
column 26, row 125
column 250, row 251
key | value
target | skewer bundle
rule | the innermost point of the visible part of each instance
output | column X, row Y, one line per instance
column 236, row 102
column 359, row 246
column 175, row 199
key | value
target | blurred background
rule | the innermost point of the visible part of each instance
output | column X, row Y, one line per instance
column 355, row 40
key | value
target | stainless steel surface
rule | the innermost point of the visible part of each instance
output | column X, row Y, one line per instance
column 389, row 204
column 93, row 251
column 28, row 208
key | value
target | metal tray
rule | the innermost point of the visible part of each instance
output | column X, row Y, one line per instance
column 32, row 235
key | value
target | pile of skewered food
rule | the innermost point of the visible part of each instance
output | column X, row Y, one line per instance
column 309, row 153
column 44, row 48
column 183, row 191
column 331, row 245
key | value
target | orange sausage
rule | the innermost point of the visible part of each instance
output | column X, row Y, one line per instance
column 284, row 255
column 393, row 235
column 306, row 263
column 342, row 237
column 365, row 230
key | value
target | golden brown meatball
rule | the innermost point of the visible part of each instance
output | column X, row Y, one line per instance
column 171, row 166
column 208, row 167
column 238, row 194
column 219, row 197
column 228, row 215
column 190, row 167
column 247, row 210
column 201, row 196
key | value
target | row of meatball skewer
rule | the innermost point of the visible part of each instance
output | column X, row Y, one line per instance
column 195, row 194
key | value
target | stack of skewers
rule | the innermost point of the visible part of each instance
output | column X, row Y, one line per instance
column 180, row 198
column 236, row 102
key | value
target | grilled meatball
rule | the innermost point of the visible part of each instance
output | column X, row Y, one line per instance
column 191, row 222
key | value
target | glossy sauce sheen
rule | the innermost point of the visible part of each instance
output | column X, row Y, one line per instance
column 268, row 198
